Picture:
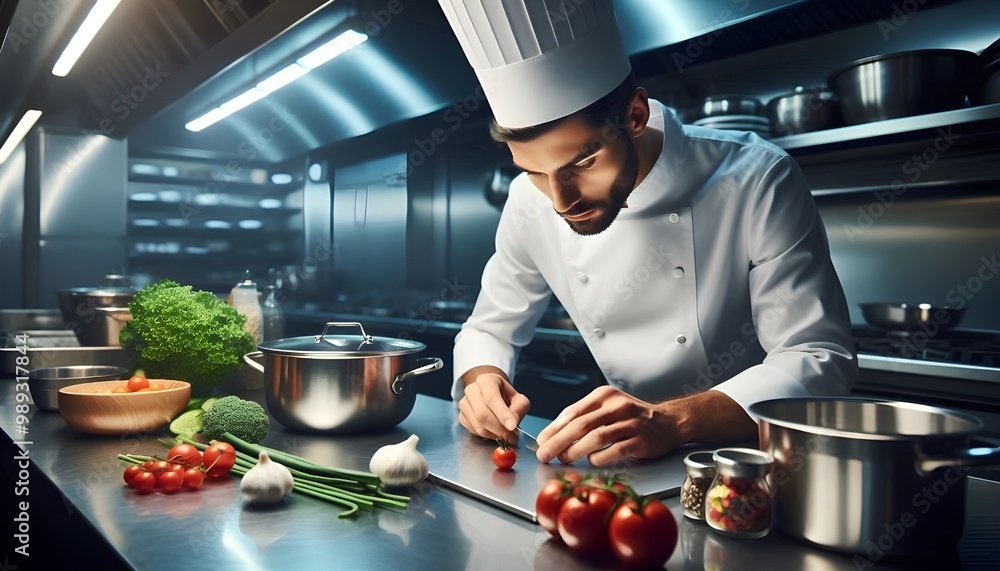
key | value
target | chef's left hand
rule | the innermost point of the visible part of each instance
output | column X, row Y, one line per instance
column 608, row 416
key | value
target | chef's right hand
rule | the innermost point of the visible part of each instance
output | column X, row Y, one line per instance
column 491, row 407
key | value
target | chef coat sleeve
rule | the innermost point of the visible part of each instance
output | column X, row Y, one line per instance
column 512, row 299
column 799, row 310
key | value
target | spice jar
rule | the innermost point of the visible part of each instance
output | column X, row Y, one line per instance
column 700, row 468
column 738, row 502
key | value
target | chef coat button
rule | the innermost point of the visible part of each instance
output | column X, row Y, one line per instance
column 681, row 339
column 674, row 217
column 582, row 277
column 678, row 272
column 599, row 332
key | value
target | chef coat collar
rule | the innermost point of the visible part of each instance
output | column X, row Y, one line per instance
column 663, row 187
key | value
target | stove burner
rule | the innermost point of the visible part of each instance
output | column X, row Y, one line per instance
column 967, row 347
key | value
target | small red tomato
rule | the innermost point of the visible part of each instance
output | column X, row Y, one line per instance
column 144, row 482
column 583, row 520
column 554, row 494
column 131, row 472
column 136, row 383
column 159, row 467
column 643, row 539
column 185, row 454
column 121, row 389
column 193, row 478
column 148, row 465
column 218, row 459
column 170, row 481
column 504, row 456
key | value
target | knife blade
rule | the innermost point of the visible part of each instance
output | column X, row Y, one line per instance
column 529, row 441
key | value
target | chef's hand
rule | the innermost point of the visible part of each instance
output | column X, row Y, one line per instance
column 491, row 407
column 632, row 429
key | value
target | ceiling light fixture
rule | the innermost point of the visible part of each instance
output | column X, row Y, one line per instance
column 20, row 130
column 280, row 78
column 81, row 39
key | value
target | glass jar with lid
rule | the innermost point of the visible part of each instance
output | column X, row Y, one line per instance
column 738, row 502
column 700, row 468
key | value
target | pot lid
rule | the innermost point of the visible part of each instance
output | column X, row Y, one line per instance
column 327, row 346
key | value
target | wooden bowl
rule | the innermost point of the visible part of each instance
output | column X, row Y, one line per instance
column 88, row 410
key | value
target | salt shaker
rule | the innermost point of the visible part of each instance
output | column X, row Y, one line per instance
column 700, row 468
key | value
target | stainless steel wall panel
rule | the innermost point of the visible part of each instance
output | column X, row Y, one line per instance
column 11, row 221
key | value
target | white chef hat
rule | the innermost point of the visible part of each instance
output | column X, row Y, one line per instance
column 540, row 60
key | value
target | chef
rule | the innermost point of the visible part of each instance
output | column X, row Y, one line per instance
column 693, row 261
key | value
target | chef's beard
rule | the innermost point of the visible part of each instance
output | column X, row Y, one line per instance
column 607, row 210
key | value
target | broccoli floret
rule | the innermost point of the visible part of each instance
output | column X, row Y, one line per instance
column 242, row 418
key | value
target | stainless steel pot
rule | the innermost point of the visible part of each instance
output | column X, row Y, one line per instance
column 44, row 384
column 341, row 383
column 875, row 478
column 904, row 84
column 724, row 105
column 988, row 90
column 804, row 110
column 95, row 315
column 911, row 317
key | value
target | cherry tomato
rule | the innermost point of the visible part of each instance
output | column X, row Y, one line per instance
column 155, row 387
column 193, row 478
column 170, row 481
column 131, row 472
column 504, row 456
column 554, row 494
column 218, row 459
column 137, row 382
column 148, row 465
column 583, row 520
column 144, row 482
column 185, row 454
column 643, row 539
column 159, row 467
column 121, row 389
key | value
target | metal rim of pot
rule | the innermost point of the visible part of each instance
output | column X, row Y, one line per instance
column 347, row 347
column 971, row 57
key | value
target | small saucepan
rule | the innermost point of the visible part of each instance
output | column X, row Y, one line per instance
column 340, row 383
column 907, row 317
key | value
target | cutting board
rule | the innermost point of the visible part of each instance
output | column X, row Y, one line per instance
column 463, row 462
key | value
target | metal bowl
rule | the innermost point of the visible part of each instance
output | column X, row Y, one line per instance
column 804, row 110
column 720, row 105
column 911, row 316
column 95, row 315
column 44, row 384
column 988, row 90
column 904, row 84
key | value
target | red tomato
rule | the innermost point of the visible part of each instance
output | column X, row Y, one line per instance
column 553, row 495
column 159, row 467
column 218, row 459
column 504, row 456
column 170, row 481
column 121, row 389
column 643, row 540
column 583, row 520
column 144, row 482
column 131, row 472
column 185, row 454
column 193, row 478
column 137, row 382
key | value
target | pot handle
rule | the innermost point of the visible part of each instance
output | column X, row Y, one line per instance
column 435, row 364
column 367, row 338
column 978, row 456
column 249, row 358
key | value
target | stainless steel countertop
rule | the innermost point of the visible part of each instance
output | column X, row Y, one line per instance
column 441, row 529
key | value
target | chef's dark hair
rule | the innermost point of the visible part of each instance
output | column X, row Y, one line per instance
column 609, row 109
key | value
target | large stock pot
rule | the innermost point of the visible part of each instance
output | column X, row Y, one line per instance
column 874, row 478
column 340, row 383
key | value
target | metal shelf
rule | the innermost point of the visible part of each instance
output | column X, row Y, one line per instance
column 873, row 132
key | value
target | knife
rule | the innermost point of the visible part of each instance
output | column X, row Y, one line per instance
column 529, row 441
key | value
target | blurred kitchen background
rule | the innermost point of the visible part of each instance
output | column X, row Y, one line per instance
column 368, row 188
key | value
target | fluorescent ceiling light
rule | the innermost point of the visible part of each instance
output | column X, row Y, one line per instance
column 242, row 100
column 17, row 135
column 332, row 49
column 81, row 39
column 281, row 78
column 207, row 119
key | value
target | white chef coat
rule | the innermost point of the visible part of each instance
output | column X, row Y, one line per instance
column 717, row 275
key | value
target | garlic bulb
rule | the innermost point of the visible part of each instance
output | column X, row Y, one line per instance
column 399, row 464
column 267, row 482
